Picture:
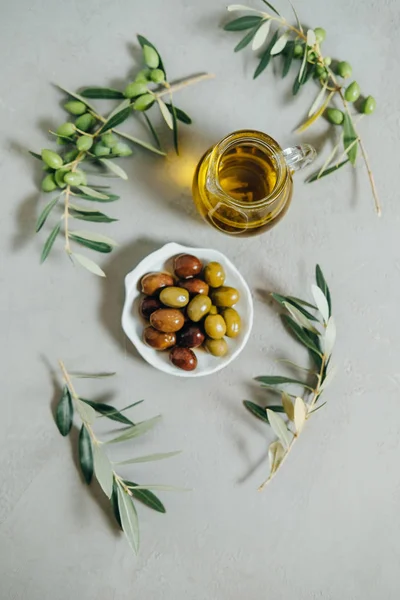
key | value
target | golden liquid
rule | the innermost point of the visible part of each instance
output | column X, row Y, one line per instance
column 247, row 173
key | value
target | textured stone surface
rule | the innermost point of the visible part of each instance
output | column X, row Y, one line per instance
column 328, row 528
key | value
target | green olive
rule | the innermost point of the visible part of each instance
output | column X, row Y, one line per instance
column 85, row 122
column 320, row 34
column 225, row 296
column 369, row 105
column 151, row 57
column 213, row 310
column 73, row 178
column 75, row 107
column 100, row 149
column 52, row 159
column 109, row 140
column 48, row 183
column 214, row 274
column 298, row 50
column 67, row 129
column 352, row 92
column 216, row 347
column 143, row 76
column 157, row 75
column 175, row 297
column 215, row 327
column 334, row 116
column 122, row 149
column 320, row 71
column 344, row 69
column 233, row 322
column 136, row 88
column 143, row 102
column 70, row 156
column 84, row 143
column 61, row 141
column 198, row 307
column 327, row 61
column 59, row 177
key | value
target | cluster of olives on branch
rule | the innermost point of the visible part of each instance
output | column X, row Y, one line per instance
column 195, row 311
column 138, row 90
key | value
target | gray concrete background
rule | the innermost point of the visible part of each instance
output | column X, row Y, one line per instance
column 328, row 528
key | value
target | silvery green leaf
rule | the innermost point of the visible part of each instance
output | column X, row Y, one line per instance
column 129, row 518
column 82, row 375
column 279, row 426
column 49, row 242
column 85, row 454
column 136, row 430
column 161, row 488
column 318, row 100
column 300, row 414
column 86, row 412
column 116, row 169
column 139, row 142
column 261, row 35
column 45, row 212
column 149, row 458
column 329, row 377
column 288, row 406
column 82, row 209
column 330, row 337
column 145, row 496
column 276, row 452
column 165, row 113
column 64, row 412
column 321, row 283
column 280, row 44
column 94, row 237
column 311, row 39
column 301, row 72
column 88, row 264
column 299, row 317
column 103, row 469
column 296, row 17
column 93, row 193
column 321, row 302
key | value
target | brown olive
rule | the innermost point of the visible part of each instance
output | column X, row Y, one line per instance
column 225, row 296
column 190, row 336
column 214, row 274
column 158, row 339
column 183, row 358
column 167, row 320
column 176, row 297
column 214, row 326
column 198, row 307
column 153, row 282
column 186, row 265
column 233, row 322
column 194, row 286
column 216, row 347
column 148, row 305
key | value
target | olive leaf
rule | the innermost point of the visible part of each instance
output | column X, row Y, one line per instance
column 93, row 237
column 106, row 197
column 136, row 430
column 296, row 303
column 93, row 245
column 101, row 93
column 45, row 213
column 108, row 411
column 129, row 518
column 321, row 282
column 260, row 412
column 145, row 42
column 247, row 39
column 64, row 412
column 288, row 406
column 116, row 119
column 280, row 44
column 321, row 302
column 88, row 264
column 289, row 54
column 329, row 337
column 50, row 242
column 85, row 454
column 316, row 115
column 149, row 458
column 319, row 175
column 279, row 427
column 276, row 453
column 299, row 317
column 180, row 114
column 85, row 214
column 318, row 100
column 271, row 7
column 103, row 469
column 82, row 375
column 349, row 137
column 86, row 412
column 139, row 142
column 91, row 193
column 114, row 503
column 242, row 23
column 266, row 56
column 278, row 380
column 329, row 377
column 116, row 169
column 152, row 130
column 261, row 35
column 300, row 414
column 76, row 96
column 145, row 496
column 300, row 334
column 165, row 113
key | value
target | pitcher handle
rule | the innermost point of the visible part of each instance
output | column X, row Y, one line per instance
column 299, row 157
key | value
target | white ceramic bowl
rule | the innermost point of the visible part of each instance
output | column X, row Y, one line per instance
column 133, row 324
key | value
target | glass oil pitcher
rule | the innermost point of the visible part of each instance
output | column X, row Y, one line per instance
column 243, row 185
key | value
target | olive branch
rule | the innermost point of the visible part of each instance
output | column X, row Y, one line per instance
column 292, row 42
column 94, row 140
column 317, row 332
column 94, row 460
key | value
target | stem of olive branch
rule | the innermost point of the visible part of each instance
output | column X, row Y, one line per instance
column 309, row 406
column 173, row 87
column 74, row 164
column 88, row 426
column 301, row 35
